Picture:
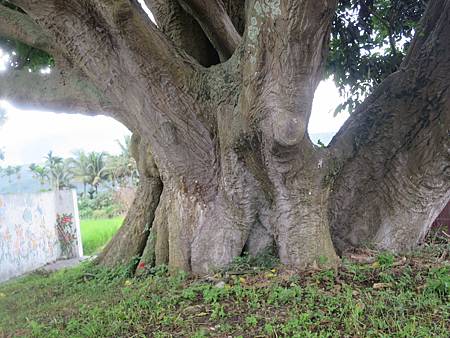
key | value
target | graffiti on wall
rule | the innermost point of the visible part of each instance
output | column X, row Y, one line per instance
column 67, row 235
column 29, row 236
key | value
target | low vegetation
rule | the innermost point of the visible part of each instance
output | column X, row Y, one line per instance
column 103, row 205
column 371, row 295
column 96, row 233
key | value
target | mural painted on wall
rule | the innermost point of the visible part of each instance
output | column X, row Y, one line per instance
column 67, row 235
column 27, row 233
column 29, row 236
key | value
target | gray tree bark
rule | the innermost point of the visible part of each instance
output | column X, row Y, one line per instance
column 224, row 155
column 392, row 158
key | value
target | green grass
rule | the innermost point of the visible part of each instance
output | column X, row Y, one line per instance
column 90, row 301
column 96, row 233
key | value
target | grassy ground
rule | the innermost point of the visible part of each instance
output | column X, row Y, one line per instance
column 371, row 295
column 95, row 233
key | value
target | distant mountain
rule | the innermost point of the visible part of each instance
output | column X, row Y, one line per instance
column 25, row 183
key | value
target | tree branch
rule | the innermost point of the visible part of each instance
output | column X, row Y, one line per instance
column 114, row 45
column 285, row 48
column 216, row 23
column 57, row 91
column 236, row 12
column 18, row 26
column 119, row 49
column 183, row 30
column 93, row 22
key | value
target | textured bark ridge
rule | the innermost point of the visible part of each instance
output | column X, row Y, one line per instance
column 131, row 238
column 219, row 115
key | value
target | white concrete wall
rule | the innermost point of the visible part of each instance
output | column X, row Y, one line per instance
column 28, row 234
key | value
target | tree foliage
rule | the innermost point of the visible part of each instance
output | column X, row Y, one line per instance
column 11, row 171
column 122, row 168
column 21, row 55
column 58, row 172
column 91, row 169
column 369, row 41
column 39, row 172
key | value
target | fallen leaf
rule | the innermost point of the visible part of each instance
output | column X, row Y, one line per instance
column 360, row 306
column 192, row 309
column 375, row 265
column 381, row 285
column 400, row 262
column 363, row 258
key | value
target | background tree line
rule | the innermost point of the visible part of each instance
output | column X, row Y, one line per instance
column 93, row 170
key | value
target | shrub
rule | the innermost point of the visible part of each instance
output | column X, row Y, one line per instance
column 101, row 206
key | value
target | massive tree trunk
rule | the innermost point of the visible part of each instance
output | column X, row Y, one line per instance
column 225, row 160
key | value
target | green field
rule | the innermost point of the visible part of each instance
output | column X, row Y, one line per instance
column 387, row 296
column 96, row 233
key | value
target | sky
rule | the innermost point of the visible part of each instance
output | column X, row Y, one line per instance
column 27, row 136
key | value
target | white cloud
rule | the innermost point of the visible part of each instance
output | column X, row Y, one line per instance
column 27, row 136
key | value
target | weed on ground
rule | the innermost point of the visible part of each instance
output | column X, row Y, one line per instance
column 372, row 294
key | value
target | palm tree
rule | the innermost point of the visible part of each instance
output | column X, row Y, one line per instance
column 122, row 170
column 51, row 163
column 9, row 171
column 58, row 171
column 98, row 172
column 39, row 172
column 79, row 165
column 125, row 146
column 17, row 170
column 123, row 167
